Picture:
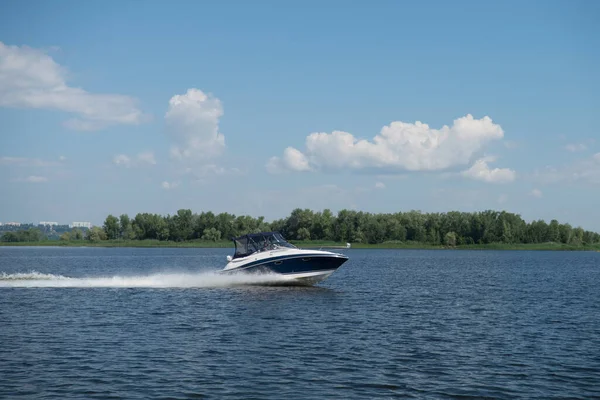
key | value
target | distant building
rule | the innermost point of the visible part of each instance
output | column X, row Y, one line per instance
column 13, row 224
column 80, row 225
column 48, row 223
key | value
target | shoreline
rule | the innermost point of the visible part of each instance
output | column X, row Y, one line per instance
column 308, row 244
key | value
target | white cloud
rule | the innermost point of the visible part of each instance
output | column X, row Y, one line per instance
column 575, row 147
column 32, row 179
column 30, row 78
column 292, row 160
column 36, row 179
column 586, row 170
column 62, row 158
column 193, row 126
column 379, row 185
column 142, row 159
column 399, row 146
column 27, row 162
column 536, row 193
column 122, row 159
column 211, row 170
column 146, row 158
column 481, row 171
column 169, row 185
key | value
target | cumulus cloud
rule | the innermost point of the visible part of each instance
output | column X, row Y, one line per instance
column 400, row 146
column 481, row 171
column 292, row 160
column 536, row 193
column 169, row 185
column 379, row 185
column 142, row 159
column 193, row 126
column 30, row 78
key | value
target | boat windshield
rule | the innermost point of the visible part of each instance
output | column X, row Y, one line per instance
column 257, row 242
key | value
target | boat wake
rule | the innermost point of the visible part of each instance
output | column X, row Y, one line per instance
column 35, row 279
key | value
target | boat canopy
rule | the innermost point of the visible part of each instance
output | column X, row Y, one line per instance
column 256, row 242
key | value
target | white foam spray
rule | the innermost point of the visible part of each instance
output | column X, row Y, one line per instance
column 159, row 280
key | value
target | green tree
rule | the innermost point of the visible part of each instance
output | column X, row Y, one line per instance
column 297, row 220
column 205, row 220
column 24, row 235
column 96, row 234
column 226, row 224
column 181, row 225
column 553, row 231
column 507, row 236
column 125, row 227
column 452, row 228
column 303, row 234
column 450, row 239
column 577, row 238
column 394, row 229
column 375, row 230
column 433, row 236
column 565, row 233
column 10, row 237
column 76, row 234
column 358, row 236
column 111, row 227
column 321, row 228
column 211, row 234
column 343, row 226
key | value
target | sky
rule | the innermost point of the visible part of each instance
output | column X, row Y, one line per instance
column 262, row 107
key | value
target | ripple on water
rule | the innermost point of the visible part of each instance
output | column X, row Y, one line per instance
column 154, row 323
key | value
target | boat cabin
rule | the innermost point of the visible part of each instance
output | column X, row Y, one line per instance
column 257, row 242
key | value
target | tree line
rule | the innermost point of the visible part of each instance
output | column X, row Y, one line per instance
column 23, row 235
column 451, row 228
column 41, row 233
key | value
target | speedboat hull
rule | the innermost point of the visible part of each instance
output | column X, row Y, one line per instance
column 300, row 267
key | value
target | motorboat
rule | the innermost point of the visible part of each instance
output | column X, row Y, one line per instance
column 270, row 253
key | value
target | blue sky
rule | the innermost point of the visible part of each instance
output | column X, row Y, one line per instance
column 261, row 107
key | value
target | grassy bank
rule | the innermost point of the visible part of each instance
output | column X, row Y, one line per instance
column 490, row 246
column 306, row 244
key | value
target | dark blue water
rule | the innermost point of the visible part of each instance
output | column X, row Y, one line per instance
column 149, row 323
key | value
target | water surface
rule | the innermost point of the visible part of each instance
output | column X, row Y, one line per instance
column 157, row 323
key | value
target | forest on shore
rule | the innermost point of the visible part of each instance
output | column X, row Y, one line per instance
column 413, row 227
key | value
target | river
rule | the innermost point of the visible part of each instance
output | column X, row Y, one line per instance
column 100, row 323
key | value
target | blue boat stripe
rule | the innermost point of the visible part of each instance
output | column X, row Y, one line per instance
column 283, row 258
